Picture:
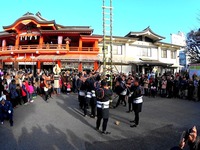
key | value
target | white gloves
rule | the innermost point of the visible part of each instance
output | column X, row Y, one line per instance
column 9, row 111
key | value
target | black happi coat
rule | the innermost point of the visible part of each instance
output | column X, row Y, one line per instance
column 104, row 113
column 137, row 107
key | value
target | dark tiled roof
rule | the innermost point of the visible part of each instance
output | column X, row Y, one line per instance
column 36, row 18
column 148, row 33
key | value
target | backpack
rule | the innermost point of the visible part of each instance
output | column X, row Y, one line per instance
column 100, row 93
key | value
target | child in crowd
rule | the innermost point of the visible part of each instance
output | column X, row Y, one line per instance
column 46, row 92
column 68, row 88
column 60, row 86
column 31, row 91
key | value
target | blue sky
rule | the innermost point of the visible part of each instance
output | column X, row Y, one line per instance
column 163, row 17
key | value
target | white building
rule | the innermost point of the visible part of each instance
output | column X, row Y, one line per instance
column 142, row 52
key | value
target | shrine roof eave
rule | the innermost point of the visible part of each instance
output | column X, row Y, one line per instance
column 77, row 27
column 29, row 17
column 99, row 38
column 6, row 34
column 93, row 36
column 64, row 32
column 148, row 33
column 168, row 45
column 120, row 39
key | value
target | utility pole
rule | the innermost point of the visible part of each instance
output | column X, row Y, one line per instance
column 104, row 35
column 107, row 32
column 111, row 45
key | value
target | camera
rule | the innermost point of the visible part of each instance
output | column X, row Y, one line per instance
column 185, row 134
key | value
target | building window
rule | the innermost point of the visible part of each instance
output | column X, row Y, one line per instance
column 144, row 51
column 173, row 54
column 164, row 53
column 117, row 49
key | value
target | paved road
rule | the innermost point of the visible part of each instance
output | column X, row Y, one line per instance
column 60, row 125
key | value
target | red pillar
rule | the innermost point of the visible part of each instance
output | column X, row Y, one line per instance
column 17, row 42
column 80, row 67
column 38, row 66
column 41, row 41
column 59, row 63
column 96, row 66
column 80, row 44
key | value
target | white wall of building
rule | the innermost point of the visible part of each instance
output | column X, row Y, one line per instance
column 155, row 53
column 123, row 68
column 133, row 52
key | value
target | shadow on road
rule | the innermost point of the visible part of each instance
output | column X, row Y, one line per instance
column 154, row 140
column 71, row 106
column 50, row 139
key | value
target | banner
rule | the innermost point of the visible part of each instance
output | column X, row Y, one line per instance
column 60, row 39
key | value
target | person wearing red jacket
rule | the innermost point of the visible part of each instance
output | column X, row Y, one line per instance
column 24, row 93
column 27, row 89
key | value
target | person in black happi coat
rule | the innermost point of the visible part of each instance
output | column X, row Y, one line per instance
column 103, row 107
column 137, row 102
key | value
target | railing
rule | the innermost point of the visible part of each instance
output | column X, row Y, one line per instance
column 48, row 47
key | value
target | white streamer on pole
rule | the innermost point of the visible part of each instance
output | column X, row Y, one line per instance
column 60, row 39
column 3, row 43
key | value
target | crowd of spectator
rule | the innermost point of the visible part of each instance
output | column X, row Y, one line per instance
column 21, row 87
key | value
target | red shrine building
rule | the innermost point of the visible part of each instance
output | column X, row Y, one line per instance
column 34, row 42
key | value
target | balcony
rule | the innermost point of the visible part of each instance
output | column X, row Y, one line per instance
column 48, row 49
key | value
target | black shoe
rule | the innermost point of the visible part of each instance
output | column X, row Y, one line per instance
column 92, row 116
column 11, row 123
column 132, row 121
column 97, row 129
column 128, row 111
column 133, row 126
column 105, row 132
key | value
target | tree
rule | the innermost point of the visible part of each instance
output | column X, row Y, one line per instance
column 193, row 45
